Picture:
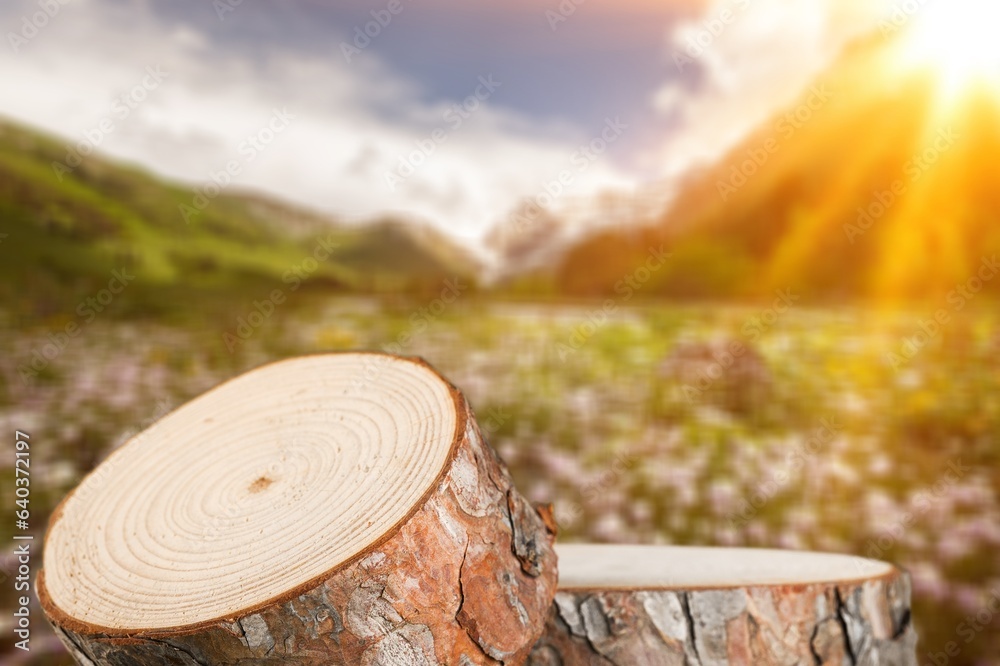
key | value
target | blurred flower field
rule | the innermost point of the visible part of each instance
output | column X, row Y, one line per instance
column 811, row 437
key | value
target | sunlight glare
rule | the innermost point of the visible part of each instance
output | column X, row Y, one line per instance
column 958, row 40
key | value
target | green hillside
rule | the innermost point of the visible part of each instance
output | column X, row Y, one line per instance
column 65, row 233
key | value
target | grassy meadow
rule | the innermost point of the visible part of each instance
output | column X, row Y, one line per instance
column 634, row 423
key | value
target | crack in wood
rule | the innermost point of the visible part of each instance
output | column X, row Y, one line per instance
column 841, row 611
column 180, row 649
column 689, row 618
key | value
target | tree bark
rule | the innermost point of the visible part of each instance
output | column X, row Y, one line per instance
column 859, row 622
column 466, row 577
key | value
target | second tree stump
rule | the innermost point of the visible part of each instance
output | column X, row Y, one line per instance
column 672, row 606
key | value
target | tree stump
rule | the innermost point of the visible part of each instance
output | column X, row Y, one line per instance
column 667, row 606
column 334, row 509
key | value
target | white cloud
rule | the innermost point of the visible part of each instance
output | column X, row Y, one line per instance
column 351, row 121
column 756, row 57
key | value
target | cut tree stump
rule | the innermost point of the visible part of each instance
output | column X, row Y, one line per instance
column 667, row 606
column 333, row 509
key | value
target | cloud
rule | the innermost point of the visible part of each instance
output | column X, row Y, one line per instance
column 355, row 122
column 741, row 61
column 352, row 122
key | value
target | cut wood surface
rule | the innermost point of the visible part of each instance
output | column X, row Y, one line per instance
column 333, row 509
column 630, row 605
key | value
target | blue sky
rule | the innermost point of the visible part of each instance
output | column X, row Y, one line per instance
column 581, row 71
column 378, row 131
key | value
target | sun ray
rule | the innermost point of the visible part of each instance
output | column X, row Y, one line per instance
column 803, row 246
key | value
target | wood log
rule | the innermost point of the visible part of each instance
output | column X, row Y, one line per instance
column 674, row 606
column 333, row 509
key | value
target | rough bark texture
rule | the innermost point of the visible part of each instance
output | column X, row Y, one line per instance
column 468, row 579
column 853, row 624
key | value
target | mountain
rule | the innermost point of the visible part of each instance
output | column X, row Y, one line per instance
column 390, row 253
column 532, row 242
column 874, row 185
column 63, row 231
